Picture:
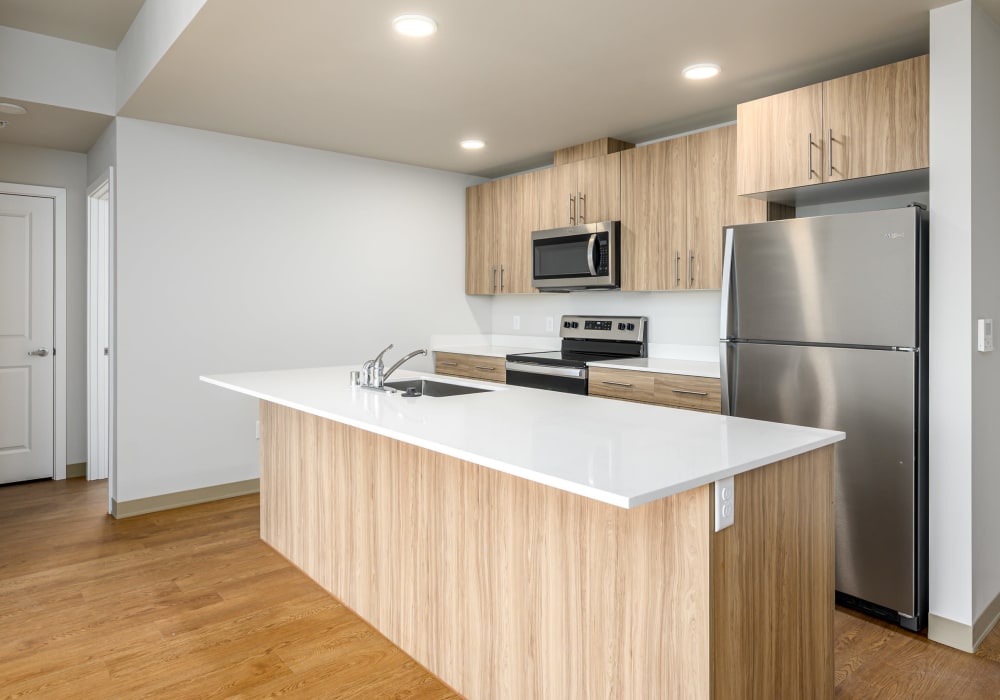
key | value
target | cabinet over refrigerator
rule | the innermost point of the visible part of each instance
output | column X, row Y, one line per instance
column 824, row 324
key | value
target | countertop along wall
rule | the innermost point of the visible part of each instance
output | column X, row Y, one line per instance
column 236, row 254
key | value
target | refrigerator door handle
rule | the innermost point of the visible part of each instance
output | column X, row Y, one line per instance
column 727, row 273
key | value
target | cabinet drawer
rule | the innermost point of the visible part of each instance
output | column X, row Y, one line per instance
column 681, row 391
column 621, row 384
column 457, row 364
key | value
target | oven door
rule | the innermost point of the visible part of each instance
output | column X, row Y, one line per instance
column 569, row 380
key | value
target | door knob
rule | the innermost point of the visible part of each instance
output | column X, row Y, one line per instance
column 40, row 352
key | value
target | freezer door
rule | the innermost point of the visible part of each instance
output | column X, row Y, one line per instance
column 870, row 395
column 849, row 279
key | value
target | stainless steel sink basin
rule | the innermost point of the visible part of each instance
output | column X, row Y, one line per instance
column 429, row 387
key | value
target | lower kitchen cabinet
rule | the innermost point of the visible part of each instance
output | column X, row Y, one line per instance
column 673, row 390
column 491, row 369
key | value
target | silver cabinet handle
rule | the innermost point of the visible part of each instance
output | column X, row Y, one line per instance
column 690, row 269
column 447, row 363
column 621, row 384
column 572, row 209
column 693, row 393
column 494, row 273
column 501, row 278
column 486, row 369
column 40, row 352
column 829, row 155
column 810, row 155
column 677, row 269
column 582, row 218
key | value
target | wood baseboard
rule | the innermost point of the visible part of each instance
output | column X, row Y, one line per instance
column 167, row 501
column 75, row 471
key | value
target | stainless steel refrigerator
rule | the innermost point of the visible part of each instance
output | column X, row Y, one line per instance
column 824, row 324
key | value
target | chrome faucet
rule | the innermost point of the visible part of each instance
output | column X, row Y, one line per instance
column 413, row 354
column 374, row 374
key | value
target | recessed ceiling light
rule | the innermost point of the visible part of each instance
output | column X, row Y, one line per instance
column 472, row 144
column 11, row 108
column 700, row 71
column 414, row 25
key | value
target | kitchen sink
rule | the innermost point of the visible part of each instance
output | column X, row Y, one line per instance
column 429, row 387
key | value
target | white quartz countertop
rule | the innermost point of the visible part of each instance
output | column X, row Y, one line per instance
column 693, row 368
column 484, row 350
column 621, row 453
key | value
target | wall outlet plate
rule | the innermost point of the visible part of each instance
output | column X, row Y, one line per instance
column 984, row 342
column 724, row 503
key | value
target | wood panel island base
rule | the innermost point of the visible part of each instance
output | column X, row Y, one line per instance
column 508, row 588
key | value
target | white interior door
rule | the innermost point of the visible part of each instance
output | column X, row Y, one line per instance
column 27, row 262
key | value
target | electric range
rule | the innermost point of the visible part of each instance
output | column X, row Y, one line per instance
column 584, row 339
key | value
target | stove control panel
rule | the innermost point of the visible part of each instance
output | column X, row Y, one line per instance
column 628, row 328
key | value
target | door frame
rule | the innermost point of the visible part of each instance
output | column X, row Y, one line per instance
column 103, row 187
column 59, row 352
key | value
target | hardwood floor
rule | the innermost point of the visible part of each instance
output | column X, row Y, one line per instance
column 190, row 603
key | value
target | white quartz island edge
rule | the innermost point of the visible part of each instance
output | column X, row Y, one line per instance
column 621, row 453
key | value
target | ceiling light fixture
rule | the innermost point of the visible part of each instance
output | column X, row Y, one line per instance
column 472, row 144
column 11, row 108
column 414, row 25
column 701, row 71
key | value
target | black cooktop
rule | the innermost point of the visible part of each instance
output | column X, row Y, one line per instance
column 563, row 358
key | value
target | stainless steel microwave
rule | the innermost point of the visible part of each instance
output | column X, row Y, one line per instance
column 577, row 257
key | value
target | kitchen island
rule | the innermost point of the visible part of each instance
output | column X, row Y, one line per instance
column 530, row 544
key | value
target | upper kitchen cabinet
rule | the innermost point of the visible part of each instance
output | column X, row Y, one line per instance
column 677, row 195
column 500, row 216
column 870, row 123
column 580, row 192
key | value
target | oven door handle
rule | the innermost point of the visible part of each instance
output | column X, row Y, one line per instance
column 551, row 370
column 590, row 255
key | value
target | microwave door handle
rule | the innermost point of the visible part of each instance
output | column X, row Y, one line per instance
column 590, row 254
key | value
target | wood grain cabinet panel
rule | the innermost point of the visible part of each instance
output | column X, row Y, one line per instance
column 654, row 187
column 479, row 241
column 879, row 120
column 584, row 191
column 673, row 390
column 500, row 216
column 491, row 369
column 874, row 122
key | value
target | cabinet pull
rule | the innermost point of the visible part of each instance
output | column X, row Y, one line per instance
column 501, row 278
column 582, row 199
column 621, row 384
column 693, row 393
column 829, row 155
column 486, row 369
column 494, row 273
column 810, row 155
column 690, row 269
column 677, row 269
column 447, row 363
column 572, row 208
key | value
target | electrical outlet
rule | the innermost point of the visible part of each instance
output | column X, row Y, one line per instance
column 517, row 323
column 985, row 339
column 550, row 323
column 724, row 503
column 258, row 430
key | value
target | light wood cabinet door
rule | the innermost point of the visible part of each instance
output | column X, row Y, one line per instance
column 599, row 191
column 620, row 384
column 654, row 181
column 518, row 196
column 557, row 192
column 491, row 369
column 779, row 141
column 683, row 391
column 480, row 239
column 877, row 121
column 712, row 204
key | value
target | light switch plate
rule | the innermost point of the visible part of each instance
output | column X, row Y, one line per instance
column 724, row 503
column 985, row 335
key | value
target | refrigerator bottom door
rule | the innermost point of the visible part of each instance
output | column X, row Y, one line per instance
column 871, row 396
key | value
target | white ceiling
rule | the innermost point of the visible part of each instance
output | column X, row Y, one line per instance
column 52, row 127
column 529, row 76
column 96, row 22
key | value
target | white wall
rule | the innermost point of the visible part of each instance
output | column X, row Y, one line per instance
column 985, row 304
column 964, row 250
column 43, row 69
column 44, row 166
column 103, row 154
column 235, row 255
column 676, row 318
